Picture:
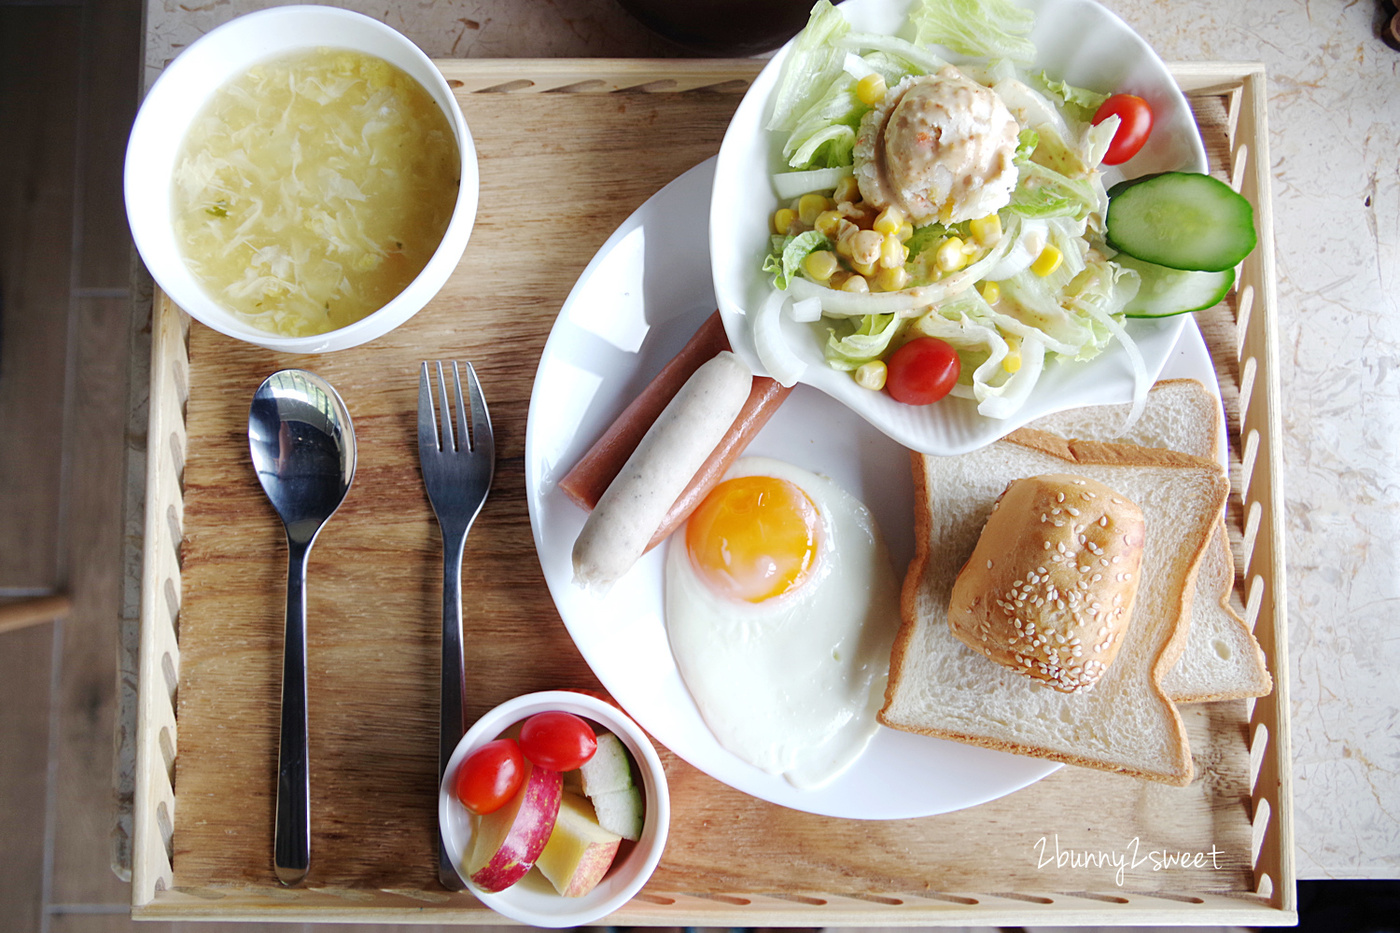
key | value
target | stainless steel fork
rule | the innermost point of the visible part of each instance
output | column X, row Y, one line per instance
column 457, row 469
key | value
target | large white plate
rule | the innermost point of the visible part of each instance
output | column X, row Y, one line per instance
column 1077, row 40
column 635, row 305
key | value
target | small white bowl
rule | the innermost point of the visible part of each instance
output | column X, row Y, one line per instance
column 533, row 900
column 182, row 91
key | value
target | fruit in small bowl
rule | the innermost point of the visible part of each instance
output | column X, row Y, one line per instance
column 555, row 808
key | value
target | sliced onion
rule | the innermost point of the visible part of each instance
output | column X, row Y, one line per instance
column 856, row 67
column 1017, row 389
column 909, row 303
column 789, row 185
column 1141, row 381
column 1026, row 246
column 806, row 310
column 773, row 351
column 914, row 54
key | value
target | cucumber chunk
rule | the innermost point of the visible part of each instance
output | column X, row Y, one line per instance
column 1165, row 291
column 1181, row 220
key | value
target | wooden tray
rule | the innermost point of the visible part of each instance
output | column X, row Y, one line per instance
column 567, row 150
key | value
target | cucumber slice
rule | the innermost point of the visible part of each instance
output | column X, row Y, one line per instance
column 1165, row 292
column 1181, row 220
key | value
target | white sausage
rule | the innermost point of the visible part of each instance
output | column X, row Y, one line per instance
column 621, row 525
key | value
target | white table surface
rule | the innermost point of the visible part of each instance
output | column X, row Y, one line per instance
column 1334, row 116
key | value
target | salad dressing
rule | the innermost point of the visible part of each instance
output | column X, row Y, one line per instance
column 941, row 148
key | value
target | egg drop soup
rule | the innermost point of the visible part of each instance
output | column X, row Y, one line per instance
column 312, row 189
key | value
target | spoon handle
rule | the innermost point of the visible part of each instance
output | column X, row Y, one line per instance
column 292, row 839
column 453, row 723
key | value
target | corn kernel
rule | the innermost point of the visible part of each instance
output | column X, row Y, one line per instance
column 892, row 252
column 1012, row 361
column 867, row 269
column 1047, row 262
column 782, row 220
column 950, row 256
column 847, row 189
column 829, row 223
column 906, row 232
column 892, row 280
column 889, row 221
column 865, row 247
column 820, row 264
column 991, row 292
column 871, row 89
column 855, row 283
column 986, row 231
column 871, row 375
column 844, row 231
column 811, row 205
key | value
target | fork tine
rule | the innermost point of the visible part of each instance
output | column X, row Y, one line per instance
column 427, row 423
column 449, row 444
column 464, row 428
column 482, row 437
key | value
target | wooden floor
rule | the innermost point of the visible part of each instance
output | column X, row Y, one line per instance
column 68, row 88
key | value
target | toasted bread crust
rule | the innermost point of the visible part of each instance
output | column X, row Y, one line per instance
column 913, row 577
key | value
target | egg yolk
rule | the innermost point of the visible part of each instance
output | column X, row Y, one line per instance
column 753, row 538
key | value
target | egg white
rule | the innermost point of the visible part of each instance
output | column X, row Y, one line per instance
column 791, row 685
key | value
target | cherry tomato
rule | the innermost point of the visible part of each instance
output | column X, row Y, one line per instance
column 490, row 776
column 557, row 740
column 922, row 371
column 1134, row 126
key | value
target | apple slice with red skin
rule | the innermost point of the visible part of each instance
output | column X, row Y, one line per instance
column 579, row 852
column 506, row 842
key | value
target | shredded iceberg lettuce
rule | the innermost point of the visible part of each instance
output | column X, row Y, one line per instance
column 1005, row 313
column 1080, row 103
column 788, row 253
column 812, row 64
column 1044, row 192
column 982, row 28
column 850, row 345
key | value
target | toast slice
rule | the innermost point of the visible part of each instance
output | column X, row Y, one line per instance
column 1222, row 659
column 1126, row 723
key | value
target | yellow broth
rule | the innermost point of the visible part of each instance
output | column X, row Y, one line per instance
column 313, row 188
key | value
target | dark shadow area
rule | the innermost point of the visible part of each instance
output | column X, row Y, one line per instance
column 1349, row 906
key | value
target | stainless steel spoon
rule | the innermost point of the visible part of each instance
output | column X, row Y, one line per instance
column 303, row 448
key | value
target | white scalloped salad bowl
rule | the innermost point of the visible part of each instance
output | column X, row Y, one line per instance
column 1076, row 40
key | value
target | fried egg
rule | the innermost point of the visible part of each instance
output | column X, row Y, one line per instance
column 781, row 608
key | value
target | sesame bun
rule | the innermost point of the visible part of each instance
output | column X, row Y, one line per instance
column 1050, row 586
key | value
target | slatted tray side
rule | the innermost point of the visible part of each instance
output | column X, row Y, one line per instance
column 593, row 76
column 1252, row 376
column 1264, row 569
column 159, row 650
column 1256, row 437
